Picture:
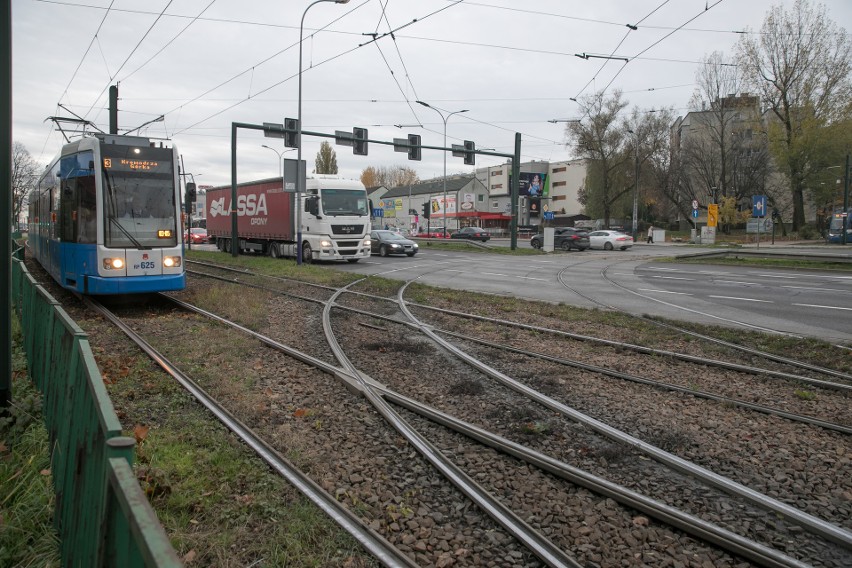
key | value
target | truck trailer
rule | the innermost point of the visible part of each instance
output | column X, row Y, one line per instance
column 335, row 218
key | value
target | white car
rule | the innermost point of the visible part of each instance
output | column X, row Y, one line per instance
column 609, row 240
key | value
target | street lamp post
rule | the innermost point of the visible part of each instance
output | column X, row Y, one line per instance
column 445, row 119
column 281, row 164
column 300, row 178
column 636, row 190
column 280, row 157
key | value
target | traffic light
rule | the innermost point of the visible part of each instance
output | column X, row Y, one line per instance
column 359, row 146
column 291, row 136
column 469, row 152
column 414, row 150
column 427, row 211
column 190, row 192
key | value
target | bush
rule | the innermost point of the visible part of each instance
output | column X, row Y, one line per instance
column 807, row 232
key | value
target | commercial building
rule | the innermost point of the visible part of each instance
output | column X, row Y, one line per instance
column 548, row 193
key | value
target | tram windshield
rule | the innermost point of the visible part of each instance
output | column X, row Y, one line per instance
column 139, row 197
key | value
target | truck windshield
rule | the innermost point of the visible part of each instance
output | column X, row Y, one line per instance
column 344, row 202
column 139, row 198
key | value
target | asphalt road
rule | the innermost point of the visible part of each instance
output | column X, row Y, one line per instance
column 798, row 302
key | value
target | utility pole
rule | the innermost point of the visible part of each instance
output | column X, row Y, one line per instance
column 847, row 222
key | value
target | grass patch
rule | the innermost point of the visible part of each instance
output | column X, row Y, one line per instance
column 733, row 260
column 285, row 268
column 463, row 246
column 805, row 394
column 27, row 537
column 219, row 503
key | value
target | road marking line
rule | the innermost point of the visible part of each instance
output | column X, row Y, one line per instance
column 513, row 276
column 774, row 276
column 825, row 307
column 737, row 282
column 664, row 292
column 817, row 289
column 742, row 299
column 672, row 278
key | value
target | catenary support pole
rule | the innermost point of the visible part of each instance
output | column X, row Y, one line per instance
column 6, row 201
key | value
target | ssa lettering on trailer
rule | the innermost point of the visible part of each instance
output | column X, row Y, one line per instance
column 249, row 204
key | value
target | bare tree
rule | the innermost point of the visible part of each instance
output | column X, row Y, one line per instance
column 650, row 145
column 600, row 139
column 326, row 162
column 25, row 174
column 716, row 108
column 800, row 64
column 388, row 176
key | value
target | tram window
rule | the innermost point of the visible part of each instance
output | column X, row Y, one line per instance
column 87, row 219
column 67, row 211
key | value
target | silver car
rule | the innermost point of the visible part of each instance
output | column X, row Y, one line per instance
column 609, row 240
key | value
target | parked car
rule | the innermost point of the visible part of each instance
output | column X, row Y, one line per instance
column 432, row 233
column 609, row 240
column 471, row 233
column 390, row 242
column 198, row 236
column 564, row 238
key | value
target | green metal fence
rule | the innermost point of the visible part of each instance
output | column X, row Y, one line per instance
column 102, row 515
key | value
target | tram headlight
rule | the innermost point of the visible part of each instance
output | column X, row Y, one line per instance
column 113, row 263
column 171, row 261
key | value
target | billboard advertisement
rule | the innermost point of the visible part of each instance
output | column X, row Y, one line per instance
column 533, row 185
column 438, row 207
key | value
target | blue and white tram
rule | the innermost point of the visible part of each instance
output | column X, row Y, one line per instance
column 105, row 217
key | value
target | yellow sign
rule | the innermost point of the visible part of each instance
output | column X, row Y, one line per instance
column 712, row 214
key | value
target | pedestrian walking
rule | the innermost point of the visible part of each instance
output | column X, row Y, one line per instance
column 651, row 235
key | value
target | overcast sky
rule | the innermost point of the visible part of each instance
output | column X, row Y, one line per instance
column 204, row 64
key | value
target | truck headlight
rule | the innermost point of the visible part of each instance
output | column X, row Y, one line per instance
column 325, row 243
column 367, row 242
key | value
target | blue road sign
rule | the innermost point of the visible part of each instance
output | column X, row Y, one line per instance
column 758, row 205
column 378, row 212
column 548, row 215
column 695, row 213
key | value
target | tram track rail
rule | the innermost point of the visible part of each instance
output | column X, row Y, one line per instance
column 398, row 398
column 551, row 556
column 814, row 524
column 382, row 550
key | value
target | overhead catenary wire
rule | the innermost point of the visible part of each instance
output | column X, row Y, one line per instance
column 145, row 35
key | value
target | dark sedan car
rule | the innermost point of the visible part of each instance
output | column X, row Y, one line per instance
column 390, row 242
column 471, row 233
column 564, row 238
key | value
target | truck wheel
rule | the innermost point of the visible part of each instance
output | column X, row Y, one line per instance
column 274, row 251
column 307, row 253
column 227, row 247
column 383, row 250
